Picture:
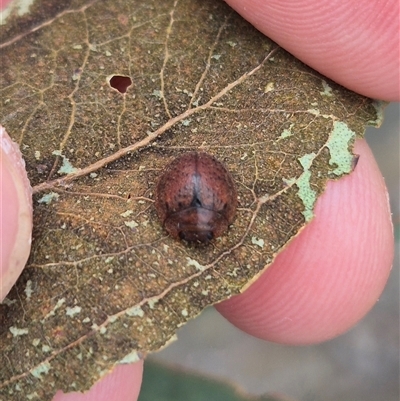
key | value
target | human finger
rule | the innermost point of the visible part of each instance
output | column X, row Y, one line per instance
column 15, row 213
column 355, row 43
column 332, row 273
column 121, row 384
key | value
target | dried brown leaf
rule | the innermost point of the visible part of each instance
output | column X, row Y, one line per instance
column 105, row 284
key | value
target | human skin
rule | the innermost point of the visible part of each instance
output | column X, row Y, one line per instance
column 354, row 42
column 334, row 271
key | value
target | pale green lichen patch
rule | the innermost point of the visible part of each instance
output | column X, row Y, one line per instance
column 48, row 198
column 307, row 160
column 113, row 319
column 196, row 264
column 131, row 224
column 286, row 132
column 130, row 358
column 306, row 193
column 257, row 241
column 127, row 213
column 314, row 112
column 152, row 302
column 15, row 331
column 72, row 311
column 20, row 7
column 157, row 93
column 379, row 106
column 338, row 145
column 58, row 305
column 8, row 302
column 327, row 89
column 269, row 87
column 46, row 348
column 186, row 122
column 28, row 289
column 135, row 311
column 67, row 167
column 40, row 370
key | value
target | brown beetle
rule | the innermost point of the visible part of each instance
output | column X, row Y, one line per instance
column 196, row 198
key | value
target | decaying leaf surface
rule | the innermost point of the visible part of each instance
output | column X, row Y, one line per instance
column 105, row 283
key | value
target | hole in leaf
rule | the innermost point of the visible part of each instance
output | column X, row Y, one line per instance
column 119, row 82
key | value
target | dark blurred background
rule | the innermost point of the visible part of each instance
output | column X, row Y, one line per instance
column 361, row 365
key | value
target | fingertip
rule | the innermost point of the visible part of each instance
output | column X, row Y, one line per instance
column 121, row 384
column 15, row 213
column 356, row 44
column 332, row 274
